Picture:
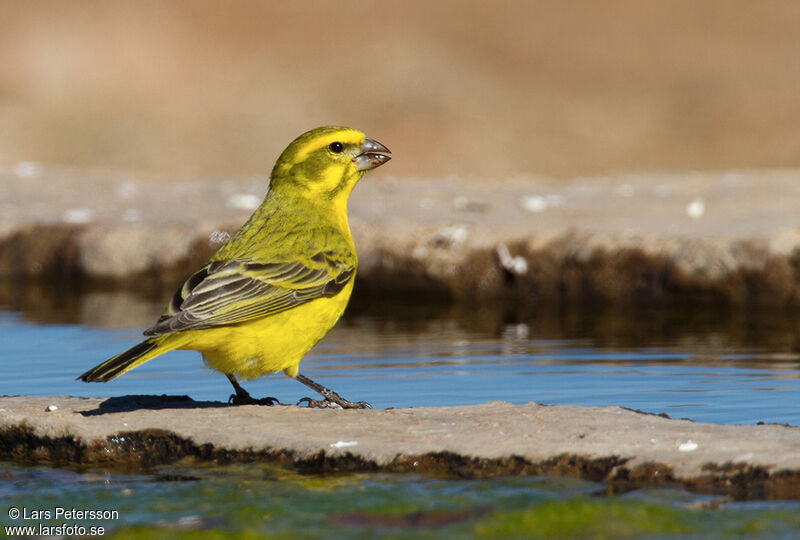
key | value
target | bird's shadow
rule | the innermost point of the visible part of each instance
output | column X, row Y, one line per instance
column 139, row 402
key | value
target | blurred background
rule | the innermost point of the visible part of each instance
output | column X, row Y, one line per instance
column 679, row 291
column 473, row 88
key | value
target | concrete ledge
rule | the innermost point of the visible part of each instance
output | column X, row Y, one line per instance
column 624, row 448
column 726, row 237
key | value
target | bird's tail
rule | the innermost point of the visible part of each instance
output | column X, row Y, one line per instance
column 126, row 361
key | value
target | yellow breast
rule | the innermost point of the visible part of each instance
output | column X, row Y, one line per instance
column 270, row 344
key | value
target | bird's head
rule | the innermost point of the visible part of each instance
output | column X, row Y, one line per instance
column 325, row 163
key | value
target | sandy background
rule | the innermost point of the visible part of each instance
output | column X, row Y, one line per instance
column 470, row 88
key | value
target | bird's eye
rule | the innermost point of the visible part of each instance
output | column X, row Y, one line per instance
column 336, row 147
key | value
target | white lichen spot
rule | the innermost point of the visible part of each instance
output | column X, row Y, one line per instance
column 343, row 444
column 78, row 215
column 244, row 201
column 51, row 408
column 131, row 215
column 426, row 203
column 534, row 203
column 450, row 236
column 514, row 265
column 688, row 446
column 218, row 237
column 539, row 203
column 696, row 208
column 27, row 169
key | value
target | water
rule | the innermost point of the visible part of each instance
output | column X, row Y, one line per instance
column 255, row 501
column 724, row 366
column 718, row 367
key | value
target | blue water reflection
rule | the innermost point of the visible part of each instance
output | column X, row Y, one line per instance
column 391, row 367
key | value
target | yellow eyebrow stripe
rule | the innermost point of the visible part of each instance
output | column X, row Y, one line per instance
column 345, row 136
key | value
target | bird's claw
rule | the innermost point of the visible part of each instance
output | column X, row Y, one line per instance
column 319, row 403
column 328, row 404
column 246, row 399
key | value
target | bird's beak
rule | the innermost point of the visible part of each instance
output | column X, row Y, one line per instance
column 372, row 154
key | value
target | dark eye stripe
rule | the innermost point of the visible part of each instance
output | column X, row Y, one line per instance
column 336, row 147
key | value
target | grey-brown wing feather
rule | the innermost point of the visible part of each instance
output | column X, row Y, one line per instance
column 223, row 293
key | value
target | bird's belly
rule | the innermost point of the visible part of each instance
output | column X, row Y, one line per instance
column 275, row 343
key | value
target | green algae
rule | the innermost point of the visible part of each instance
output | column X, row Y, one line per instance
column 271, row 501
column 621, row 519
column 582, row 518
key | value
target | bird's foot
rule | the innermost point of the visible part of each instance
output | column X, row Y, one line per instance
column 340, row 403
column 246, row 399
column 243, row 397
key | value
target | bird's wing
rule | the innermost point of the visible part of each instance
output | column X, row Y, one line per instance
column 230, row 292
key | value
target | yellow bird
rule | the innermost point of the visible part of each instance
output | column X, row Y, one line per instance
column 279, row 284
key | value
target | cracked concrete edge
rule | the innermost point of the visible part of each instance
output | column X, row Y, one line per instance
column 615, row 238
column 622, row 448
column 500, row 264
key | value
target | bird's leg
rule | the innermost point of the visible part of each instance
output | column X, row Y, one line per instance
column 242, row 397
column 332, row 399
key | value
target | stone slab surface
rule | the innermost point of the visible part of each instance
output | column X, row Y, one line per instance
column 629, row 443
column 729, row 236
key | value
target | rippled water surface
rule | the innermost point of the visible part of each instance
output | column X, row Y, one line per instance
column 713, row 366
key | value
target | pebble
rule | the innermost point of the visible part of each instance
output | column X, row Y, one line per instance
column 343, row 444
column 688, row 446
column 218, row 237
column 515, row 265
column 534, row 203
column 450, row 236
column 77, row 215
column 696, row 208
column 244, row 201
column 27, row 169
